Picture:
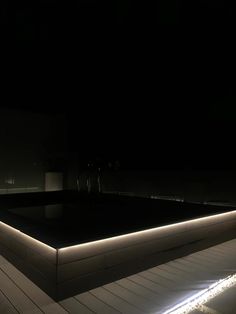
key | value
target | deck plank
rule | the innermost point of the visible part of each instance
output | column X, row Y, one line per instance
column 115, row 301
column 73, row 306
column 162, row 277
column 139, row 290
column 6, row 306
column 186, row 277
column 168, row 269
column 127, row 295
column 154, row 287
column 96, row 305
column 16, row 296
column 39, row 297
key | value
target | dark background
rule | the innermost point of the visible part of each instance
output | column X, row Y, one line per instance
column 149, row 84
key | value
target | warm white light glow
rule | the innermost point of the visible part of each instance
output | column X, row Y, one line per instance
column 148, row 231
column 204, row 296
column 128, row 235
column 33, row 240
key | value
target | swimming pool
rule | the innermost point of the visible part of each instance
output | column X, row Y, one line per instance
column 74, row 246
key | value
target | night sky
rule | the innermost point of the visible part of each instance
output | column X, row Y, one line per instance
column 146, row 83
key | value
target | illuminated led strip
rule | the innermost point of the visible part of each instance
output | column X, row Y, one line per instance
column 204, row 296
column 147, row 231
column 14, row 230
column 123, row 236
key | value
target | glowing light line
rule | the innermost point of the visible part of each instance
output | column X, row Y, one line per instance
column 204, row 296
column 14, row 230
column 147, row 231
column 124, row 236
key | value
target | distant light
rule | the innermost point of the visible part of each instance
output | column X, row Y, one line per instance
column 10, row 180
column 204, row 296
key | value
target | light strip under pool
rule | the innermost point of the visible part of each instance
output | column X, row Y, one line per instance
column 196, row 301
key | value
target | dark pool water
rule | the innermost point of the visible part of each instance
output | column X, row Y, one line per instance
column 99, row 217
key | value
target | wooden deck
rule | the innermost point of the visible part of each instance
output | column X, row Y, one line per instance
column 152, row 291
